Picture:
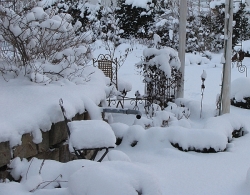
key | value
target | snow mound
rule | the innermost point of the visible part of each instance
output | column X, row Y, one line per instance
column 240, row 89
column 119, row 129
column 38, row 171
column 213, row 137
column 117, row 155
column 112, row 178
column 195, row 59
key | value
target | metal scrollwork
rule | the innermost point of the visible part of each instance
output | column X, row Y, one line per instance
column 111, row 101
column 242, row 68
column 136, row 102
column 237, row 58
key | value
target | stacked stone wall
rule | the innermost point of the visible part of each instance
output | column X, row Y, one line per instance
column 53, row 146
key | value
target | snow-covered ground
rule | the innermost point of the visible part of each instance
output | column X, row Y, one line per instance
column 153, row 166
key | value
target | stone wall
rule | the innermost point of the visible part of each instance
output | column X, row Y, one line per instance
column 52, row 147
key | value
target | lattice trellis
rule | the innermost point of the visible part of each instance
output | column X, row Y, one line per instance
column 109, row 67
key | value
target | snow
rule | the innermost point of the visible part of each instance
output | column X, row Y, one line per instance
column 195, row 58
column 157, row 39
column 124, row 85
column 161, row 23
column 109, row 178
column 215, row 3
column 91, row 134
column 39, row 13
column 38, row 110
column 54, row 24
column 119, row 129
column 245, row 46
column 39, row 171
column 163, row 58
column 145, row 161
column 240, row 89
column 203, row 75
column 138, row 3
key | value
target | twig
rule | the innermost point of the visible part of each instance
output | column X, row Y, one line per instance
column 29, row 168
column 48, row 182
column 41, row 167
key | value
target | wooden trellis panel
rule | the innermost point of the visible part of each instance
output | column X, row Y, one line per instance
column 106, row 67
column 109, row 67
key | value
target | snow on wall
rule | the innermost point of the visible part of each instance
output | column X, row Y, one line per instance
column 28, row 107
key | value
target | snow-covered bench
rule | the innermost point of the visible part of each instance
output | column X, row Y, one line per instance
column 85, row 135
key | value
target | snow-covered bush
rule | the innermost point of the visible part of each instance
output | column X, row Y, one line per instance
column 240, row 93
column 135, row 17
column 107, row 29
column 160, row 70
column 205, row 27
column 80, row 10
column 217, row 18
column 197, row 58
column 172, row 115
column 166, row 23
column 45, row 46
column 179, row 112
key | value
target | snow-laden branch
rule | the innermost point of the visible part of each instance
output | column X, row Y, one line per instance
column 37, row 37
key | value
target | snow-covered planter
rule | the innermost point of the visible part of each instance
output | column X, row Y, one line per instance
column 240, row 93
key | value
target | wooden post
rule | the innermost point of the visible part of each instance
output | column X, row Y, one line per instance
column 182, row 45
column 226, row 80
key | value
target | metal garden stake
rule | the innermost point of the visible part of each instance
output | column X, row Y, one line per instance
column 203, row 78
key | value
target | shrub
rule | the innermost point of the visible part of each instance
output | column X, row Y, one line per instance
column 45, row 45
